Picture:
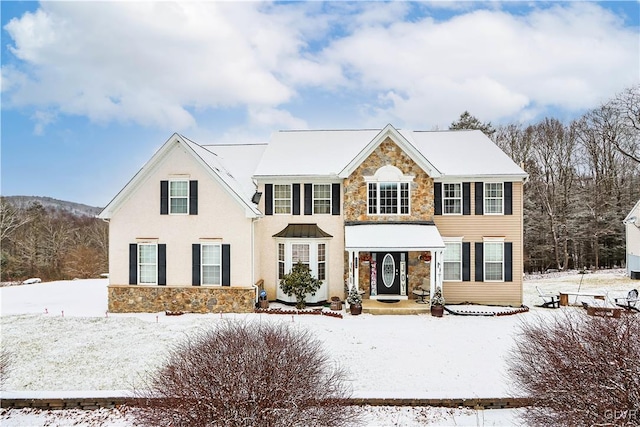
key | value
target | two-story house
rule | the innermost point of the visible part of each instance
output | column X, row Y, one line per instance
column 385, row 210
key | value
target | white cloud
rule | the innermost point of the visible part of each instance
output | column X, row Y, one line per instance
column 490, row 62
column 151, row 63
column 145, row 62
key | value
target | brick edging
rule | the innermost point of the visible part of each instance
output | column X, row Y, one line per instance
column 89, row 403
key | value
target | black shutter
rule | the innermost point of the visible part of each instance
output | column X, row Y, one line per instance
column 508, row 198
column 193, row 197
column 335, row 199
column 164, row 197
column 466, row 198
column 268, row 199
column 479, row 262
column 195, row 264
column 437, row 198
column 133, row 264
column 466, row 261
column 479, row 198
column 308, row 199
column 226, row 265
column 162, row 264
column 508, row 261
column 296, row 199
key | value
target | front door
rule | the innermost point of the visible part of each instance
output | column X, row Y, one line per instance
column 391, row 273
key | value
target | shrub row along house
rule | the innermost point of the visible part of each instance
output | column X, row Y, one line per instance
column 199, row 227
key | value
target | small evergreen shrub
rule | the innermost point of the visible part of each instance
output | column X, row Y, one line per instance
column 299, row 282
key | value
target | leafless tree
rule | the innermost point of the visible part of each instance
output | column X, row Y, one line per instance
column 579, row 370
column 10, row 219
column 626, row 108
column 247, row 374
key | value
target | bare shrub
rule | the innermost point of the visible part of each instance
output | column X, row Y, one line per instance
column 5, row 366
column 247, row 374
column 579, row 370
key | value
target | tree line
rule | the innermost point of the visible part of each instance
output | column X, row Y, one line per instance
column 50, row 243
column 584, row 178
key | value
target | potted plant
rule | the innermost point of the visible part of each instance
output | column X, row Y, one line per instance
column 437, row 303
column 355, row 301
column 299, row 282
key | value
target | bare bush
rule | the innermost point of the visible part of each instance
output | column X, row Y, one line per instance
column 247, row 374
column 579, row 370
column 5, row 365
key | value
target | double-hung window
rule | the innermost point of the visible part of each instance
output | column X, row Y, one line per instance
column 148, row 263
column 300, row 254
column 322, row 261
column 493, row 261
column 493, row 198
column 452, row 198
column 322, row 198
column 282, row 198
column 388, row 198
column 211, row 264
column 453, row 261
column 281, row 261
column 179, row 197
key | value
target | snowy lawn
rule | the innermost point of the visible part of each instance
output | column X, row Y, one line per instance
column 63, row 342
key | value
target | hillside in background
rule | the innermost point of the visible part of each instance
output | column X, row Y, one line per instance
column 76, row 209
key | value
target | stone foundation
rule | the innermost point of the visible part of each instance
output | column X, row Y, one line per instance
column 185, row 299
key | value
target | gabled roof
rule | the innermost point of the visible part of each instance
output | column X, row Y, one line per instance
column 464, row 153
column 390, row 132
column 312, row 152
column 337, row 153
column 209, row 160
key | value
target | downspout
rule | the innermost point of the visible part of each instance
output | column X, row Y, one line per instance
column 253, row 260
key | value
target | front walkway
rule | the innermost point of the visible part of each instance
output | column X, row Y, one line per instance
column 399, row 307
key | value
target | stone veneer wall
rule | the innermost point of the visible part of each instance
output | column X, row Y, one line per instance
column 186, row 299
column 419, row 274
column 388, row 153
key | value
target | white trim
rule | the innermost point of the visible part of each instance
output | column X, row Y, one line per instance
column 313, row 198
column 484, row 198
column 444, row 261
column 273, row 199
column 179, row 197
column 461, row 198
column 398, row 204
column 322, row 293
column 492, row 240
column 202, row 265
column 176, row 140
column 138, row 264
column 382, row 237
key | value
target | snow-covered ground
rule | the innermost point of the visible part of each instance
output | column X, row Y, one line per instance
column 64, row 342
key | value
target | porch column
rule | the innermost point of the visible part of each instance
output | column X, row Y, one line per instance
column 356, row 269
column 432, row 273
column 350, row 278
column 439, row 267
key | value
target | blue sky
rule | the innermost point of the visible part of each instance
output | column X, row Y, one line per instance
column 91, row 89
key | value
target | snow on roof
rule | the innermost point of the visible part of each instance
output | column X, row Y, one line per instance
column 327, row 152
column 240, row 161
column 463, row 153
column 312, row 152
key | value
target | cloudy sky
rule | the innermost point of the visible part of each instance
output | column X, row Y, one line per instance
column 91, row 89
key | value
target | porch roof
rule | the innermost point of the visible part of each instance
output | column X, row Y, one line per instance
column 392, row 237
column 303, row 231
